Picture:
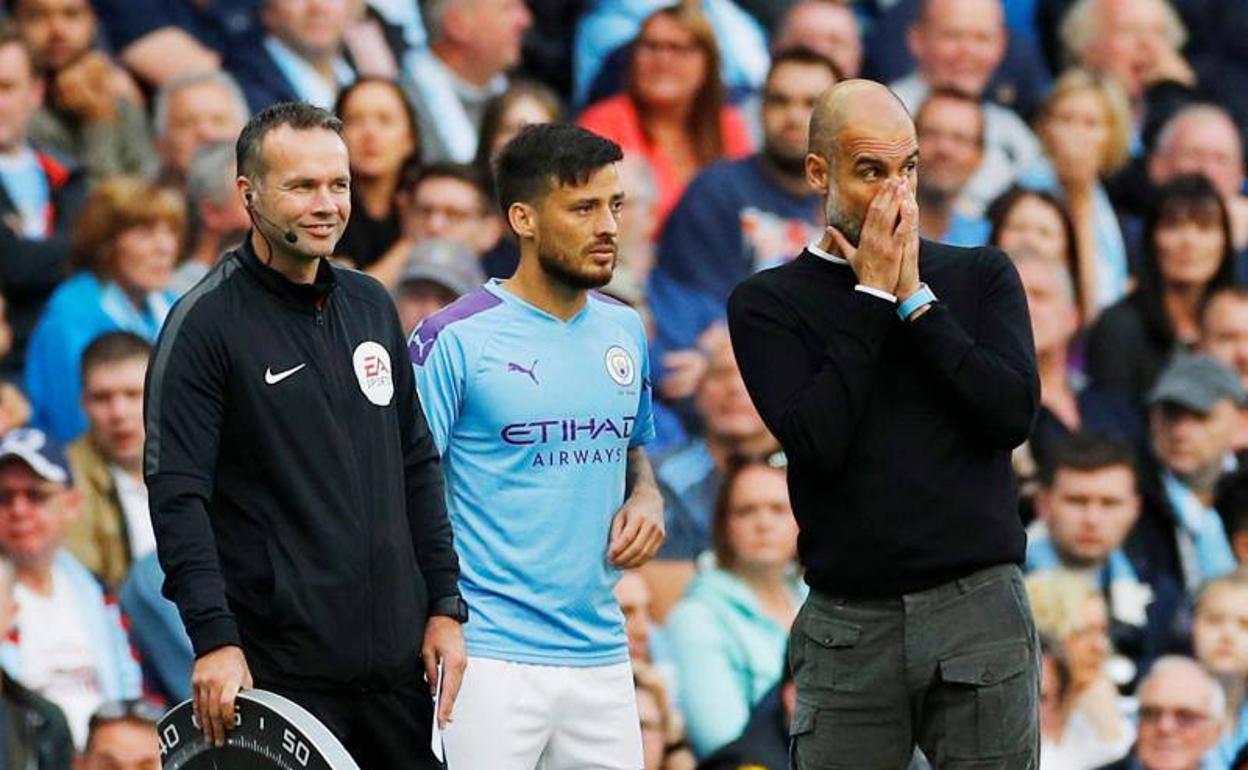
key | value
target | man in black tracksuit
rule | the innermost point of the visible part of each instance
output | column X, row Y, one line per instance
column 295, row 489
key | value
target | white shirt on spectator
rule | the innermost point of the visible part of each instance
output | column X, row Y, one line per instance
column 132, row 494
column 56, row 653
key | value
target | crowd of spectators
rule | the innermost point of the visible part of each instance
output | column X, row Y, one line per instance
column 1098, row 143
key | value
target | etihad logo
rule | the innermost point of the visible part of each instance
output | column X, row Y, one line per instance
column 567, row 430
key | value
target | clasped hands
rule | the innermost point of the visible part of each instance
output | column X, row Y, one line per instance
column 887, row 255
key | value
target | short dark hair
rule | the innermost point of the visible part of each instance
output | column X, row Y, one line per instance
column 800, row 54
column 1087, row 452
column 463, row 172
column 301, row 116
column 955, row 95
column 546, row 154
column 113, row 348
column 1237, row 292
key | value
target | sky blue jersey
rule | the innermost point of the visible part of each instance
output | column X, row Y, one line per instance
column 534, row 417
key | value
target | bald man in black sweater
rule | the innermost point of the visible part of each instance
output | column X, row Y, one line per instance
column 898, row 375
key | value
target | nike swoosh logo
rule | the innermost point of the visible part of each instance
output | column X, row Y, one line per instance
column 272, row 379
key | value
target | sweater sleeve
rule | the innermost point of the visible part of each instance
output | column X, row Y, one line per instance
column 184, row 404
column 993, row 374
column 812, row 409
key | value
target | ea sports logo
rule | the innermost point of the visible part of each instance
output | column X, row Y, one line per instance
column 620, row 366
column 372, row 368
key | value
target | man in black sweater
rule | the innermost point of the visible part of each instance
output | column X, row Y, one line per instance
column 897, row 402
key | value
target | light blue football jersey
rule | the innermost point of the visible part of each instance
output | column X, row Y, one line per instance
column 534, row 417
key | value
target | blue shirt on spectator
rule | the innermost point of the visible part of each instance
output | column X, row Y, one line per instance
column 689, row 482
column 733, row 220
column 26, row 185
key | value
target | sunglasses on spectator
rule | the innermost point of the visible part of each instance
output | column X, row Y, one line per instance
column 34, row 495
column 1185, row 719
column 126, row 710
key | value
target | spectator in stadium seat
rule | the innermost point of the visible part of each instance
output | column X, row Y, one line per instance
column 156, row 631
column 1087, row 506
column 300, row 56
column 1136, row 42
column 193, row 110
column 40, row 195
column 473, row 44
column 602, row 46
column 113, row 528
column 664, row 746
column 70, row 645
column 123, row 736
column 1186, row 256
column 524, row 103
column 950, row 127
column 1038, row 222
column 383, row 138
column 1224, row 335
column 36, row 736
column 1203, row 139
column 729, row 632
column 827, row 27
column 764, row 743
column 1220, row 639
column 1068, row 608
column 1232, row 502
column 1084, row 125
column 690, row 477
column 125, row 247
column 737, row 217
column 1066, row 405
column 958, row 44
column 438, row 272
column 216, row 218
column 1192, row 417
column 14, row 406
column 163, row 40
column 673, row 113
column 89, row 111
column 443, row 200
column 1181, row 709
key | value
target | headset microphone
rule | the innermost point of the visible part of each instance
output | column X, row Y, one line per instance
column 290, row 236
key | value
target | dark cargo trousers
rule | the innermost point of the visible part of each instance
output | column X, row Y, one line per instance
column 953, row 670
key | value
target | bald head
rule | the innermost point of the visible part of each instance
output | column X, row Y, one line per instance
column 871, row 106
column 861, row 140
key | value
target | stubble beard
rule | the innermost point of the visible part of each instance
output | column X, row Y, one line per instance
column 836, row 217
column 559, row 271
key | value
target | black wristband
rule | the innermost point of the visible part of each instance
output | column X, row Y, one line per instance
column 451, row 607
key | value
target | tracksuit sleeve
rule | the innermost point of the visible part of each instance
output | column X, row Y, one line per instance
column 812, row 410
column 184, row 406
column 426, row 496
column 992, row 375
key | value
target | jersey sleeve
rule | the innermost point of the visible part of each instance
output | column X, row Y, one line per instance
column 440, row 366
column 644, row 431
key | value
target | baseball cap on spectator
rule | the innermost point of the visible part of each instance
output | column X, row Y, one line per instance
column 1198, row 383
column 39, row 451
column 447, row 263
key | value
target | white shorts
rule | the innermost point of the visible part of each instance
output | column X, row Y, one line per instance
column 517, row 716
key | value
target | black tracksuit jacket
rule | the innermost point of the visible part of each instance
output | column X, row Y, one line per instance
column 295, row 489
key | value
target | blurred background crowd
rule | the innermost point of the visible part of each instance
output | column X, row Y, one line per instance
column 1098, row 143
